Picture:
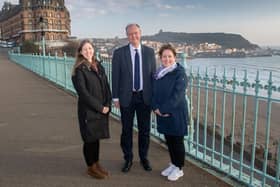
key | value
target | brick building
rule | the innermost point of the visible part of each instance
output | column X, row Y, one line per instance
column 31, row 18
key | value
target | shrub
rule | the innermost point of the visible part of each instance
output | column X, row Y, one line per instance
column 29, row 47
column 70, row 48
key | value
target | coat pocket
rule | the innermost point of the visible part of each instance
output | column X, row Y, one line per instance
column 93, row 115
column 97, row 125
column 166, row 120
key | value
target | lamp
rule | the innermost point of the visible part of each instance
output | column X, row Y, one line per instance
column 42, row 25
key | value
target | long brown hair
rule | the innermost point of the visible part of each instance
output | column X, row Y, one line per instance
column 79, row 57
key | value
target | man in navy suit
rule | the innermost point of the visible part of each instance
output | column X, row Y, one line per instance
column 133, row 66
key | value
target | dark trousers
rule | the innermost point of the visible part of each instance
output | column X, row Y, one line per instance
column 176, row 149
column 143, row 114
column 91, row 152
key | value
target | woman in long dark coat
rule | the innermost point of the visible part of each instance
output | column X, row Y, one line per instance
column 94, row 104
column 170, row 106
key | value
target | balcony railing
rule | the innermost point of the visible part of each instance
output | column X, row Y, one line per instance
column 234, row 125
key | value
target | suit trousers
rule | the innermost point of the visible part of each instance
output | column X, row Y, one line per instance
column 176, row 149
column 143, row 114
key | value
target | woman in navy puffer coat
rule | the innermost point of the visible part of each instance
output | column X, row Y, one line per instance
column 170, row 106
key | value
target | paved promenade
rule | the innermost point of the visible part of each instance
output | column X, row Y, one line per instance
column 40, row 144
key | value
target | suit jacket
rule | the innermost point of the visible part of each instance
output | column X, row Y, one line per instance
column 122, row 80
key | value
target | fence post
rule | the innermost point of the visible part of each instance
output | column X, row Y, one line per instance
column 184, row 61
column 49, row 65
column 55, row 67
column 277, row 164
column 267, row 133
column 191, row 125
column 38, row 64
column 43, row 63
column 65, row 71
column 255, row 125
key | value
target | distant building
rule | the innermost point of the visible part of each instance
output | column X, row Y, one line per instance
column 31, row 18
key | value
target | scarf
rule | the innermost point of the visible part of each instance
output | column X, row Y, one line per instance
column 162, row 71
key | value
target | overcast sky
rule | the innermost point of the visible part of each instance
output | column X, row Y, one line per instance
column 256, row 20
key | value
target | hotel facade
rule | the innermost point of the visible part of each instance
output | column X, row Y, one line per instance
column 31, row 19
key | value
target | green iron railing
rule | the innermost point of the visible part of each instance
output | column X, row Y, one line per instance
column 231, row 129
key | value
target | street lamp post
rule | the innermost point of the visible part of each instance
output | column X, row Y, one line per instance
column 42, row 27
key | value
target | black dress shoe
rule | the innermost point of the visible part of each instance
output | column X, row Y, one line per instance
column 126, row 167
column 146, row 165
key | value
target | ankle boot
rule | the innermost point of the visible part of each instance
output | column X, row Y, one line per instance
column 101, row 169
column 94, row 172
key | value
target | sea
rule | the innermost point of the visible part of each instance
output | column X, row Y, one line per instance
column 251, row 65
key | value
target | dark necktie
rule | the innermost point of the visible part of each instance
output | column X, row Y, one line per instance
column 136, row 71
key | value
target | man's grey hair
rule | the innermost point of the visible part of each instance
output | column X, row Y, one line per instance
column 130, row 25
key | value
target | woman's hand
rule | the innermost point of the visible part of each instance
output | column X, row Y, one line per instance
column 117, row 104
column 157, row 112
column 105, row 110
